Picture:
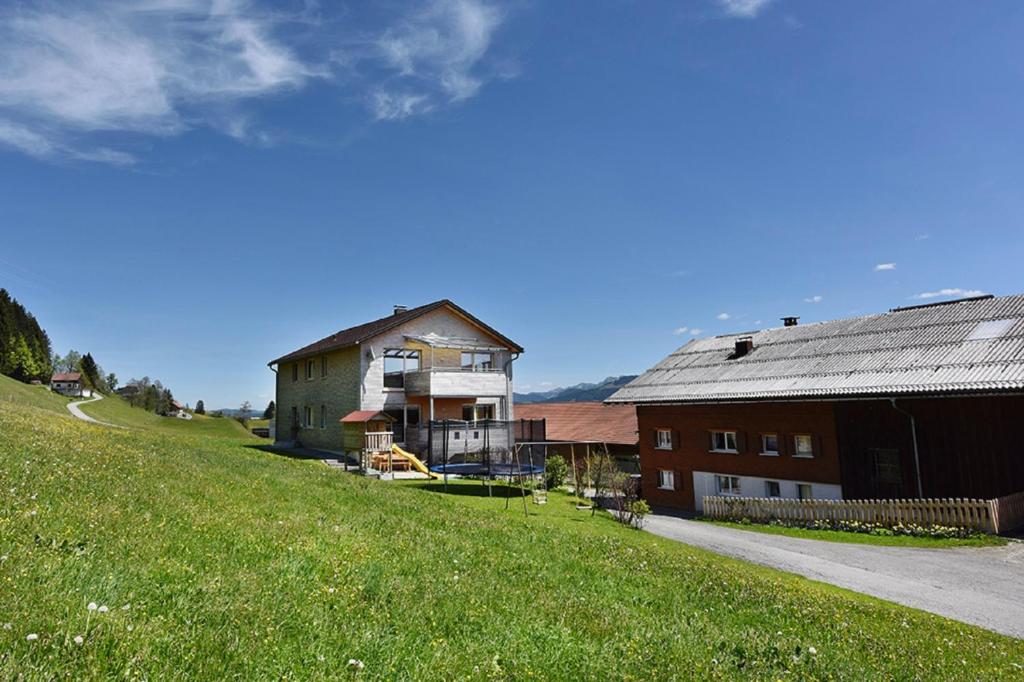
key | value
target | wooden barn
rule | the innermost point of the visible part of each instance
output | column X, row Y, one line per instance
column 921, row 401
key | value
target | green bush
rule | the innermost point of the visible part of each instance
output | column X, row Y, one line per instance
column 555, row 472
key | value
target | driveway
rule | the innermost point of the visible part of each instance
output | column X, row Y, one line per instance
column 978, row 585
column 73, row 408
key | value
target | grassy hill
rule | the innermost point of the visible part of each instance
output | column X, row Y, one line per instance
column 13, row 391
column 116, row 410
column 219, row 560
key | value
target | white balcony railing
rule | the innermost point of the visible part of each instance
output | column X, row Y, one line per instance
column 455, row 382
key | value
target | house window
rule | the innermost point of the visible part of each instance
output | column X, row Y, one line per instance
column 397, row 362
column 477, row 362
column 666, row 479
column 803, row 491
column 310, row 366
column 771, row 489
column 664, row 439
column 295, row 371
column 727, row 485
column 803, row 445
column 323, row 416
column 769, row 444
column 723, row 441
column 307, row 417
column 478, row 412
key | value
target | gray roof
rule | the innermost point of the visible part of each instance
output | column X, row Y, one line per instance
column 967, row 346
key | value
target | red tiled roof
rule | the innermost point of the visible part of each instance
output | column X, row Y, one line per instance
column 584, row 421
column 67, row 376
column 360, row 416
column 362, row 332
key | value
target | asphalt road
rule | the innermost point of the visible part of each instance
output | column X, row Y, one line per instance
column 76, row 412
column 979, row 585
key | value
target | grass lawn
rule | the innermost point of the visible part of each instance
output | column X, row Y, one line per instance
column 865, row 538
column 116, row 410
column 13, row 391
column 219, row 560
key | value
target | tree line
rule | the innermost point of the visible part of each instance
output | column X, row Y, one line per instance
column 24, row 345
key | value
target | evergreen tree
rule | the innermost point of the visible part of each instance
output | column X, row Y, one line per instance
column 269, row 412
column 111, row 381
column 200, row 408
column 91, row 372
column 25, row 351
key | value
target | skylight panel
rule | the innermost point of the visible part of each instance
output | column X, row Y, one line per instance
column 991, row 329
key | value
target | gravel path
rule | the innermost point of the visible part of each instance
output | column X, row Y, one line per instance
column 978, row 585
column 73, row 408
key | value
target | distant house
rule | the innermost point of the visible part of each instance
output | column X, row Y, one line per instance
column 588, row 421
column 71, row 384
column 178, row 410
column 924, row 401
column 436, row 361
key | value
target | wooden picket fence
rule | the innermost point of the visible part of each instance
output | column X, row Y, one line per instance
column 988, row 516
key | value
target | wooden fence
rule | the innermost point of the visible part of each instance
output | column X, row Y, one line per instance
column 987, row 516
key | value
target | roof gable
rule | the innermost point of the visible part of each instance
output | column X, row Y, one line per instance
column 972, row 345
column 363, row 332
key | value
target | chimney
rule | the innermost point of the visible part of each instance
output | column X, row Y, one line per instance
column 744, row 345
column 400, row 308
column 789, row 321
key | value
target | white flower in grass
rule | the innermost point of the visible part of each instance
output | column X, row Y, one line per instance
column 126, row 607
column 7, row 626
column 92, row 606
column 79, row 640
column 355, row 664
column 812, row 651
column 32, row 637
column 103, row 609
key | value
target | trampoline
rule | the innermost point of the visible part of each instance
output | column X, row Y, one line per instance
column 485, row 469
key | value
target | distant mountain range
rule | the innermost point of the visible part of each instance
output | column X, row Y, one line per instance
column 577, row 393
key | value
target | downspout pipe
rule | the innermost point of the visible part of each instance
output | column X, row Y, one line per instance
column 913, row 433
column 506, row 369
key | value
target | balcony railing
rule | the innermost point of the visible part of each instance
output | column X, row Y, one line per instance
column 455, row 382
column 378, row 441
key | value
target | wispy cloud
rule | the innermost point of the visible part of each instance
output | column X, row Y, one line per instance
column 435, row 56
column 814, row 299
column 72, row 72
column 743, row 9
column 696, row 332
column 921, row 237
column 945, row 293
column 679, row 331
column 885, row 266
column 723, row 316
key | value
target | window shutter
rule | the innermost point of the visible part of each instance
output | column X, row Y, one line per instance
column 711, row 441
column 741, row 441
column 654, row 438
column 783, row 443
column 816, row 444
column 675, row 439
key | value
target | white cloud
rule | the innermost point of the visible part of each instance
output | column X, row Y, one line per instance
column 945, row 293
column 921, row 237
column 885, row 266
column 681, row 330
column 160, row 67
column 435, row 56
column 723, row 316
column 814, row 299
column 696, row 332
column 743, row 9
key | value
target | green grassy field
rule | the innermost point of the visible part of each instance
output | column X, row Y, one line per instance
column 865, row 538
column 13, row 391
column 219, row 560
column 115, row 410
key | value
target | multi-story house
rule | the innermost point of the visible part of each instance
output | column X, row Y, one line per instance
column 923, row 401
column 433, row 362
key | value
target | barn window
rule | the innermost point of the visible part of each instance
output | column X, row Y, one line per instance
column 666, row 479
column 723, row 441
column 664, row 439
column 803, row 445
column 769, row 444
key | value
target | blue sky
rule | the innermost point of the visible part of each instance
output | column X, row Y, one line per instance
column 190, row 188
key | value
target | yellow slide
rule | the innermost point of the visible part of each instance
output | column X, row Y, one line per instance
column 414, row 460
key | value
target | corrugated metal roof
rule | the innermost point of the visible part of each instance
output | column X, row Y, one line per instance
column 925, row 350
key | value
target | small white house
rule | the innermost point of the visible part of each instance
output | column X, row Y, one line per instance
column 70, row 383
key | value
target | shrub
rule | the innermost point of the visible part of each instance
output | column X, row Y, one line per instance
column 555, row 472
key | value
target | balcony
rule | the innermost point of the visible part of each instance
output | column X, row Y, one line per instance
column 455, row 382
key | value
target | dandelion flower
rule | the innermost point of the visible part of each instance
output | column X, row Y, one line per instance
column 79, row 640
column 32, row 637
column 91, row 606
column 103, row 609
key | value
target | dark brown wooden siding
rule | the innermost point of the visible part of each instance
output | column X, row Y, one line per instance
column 969, row 447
